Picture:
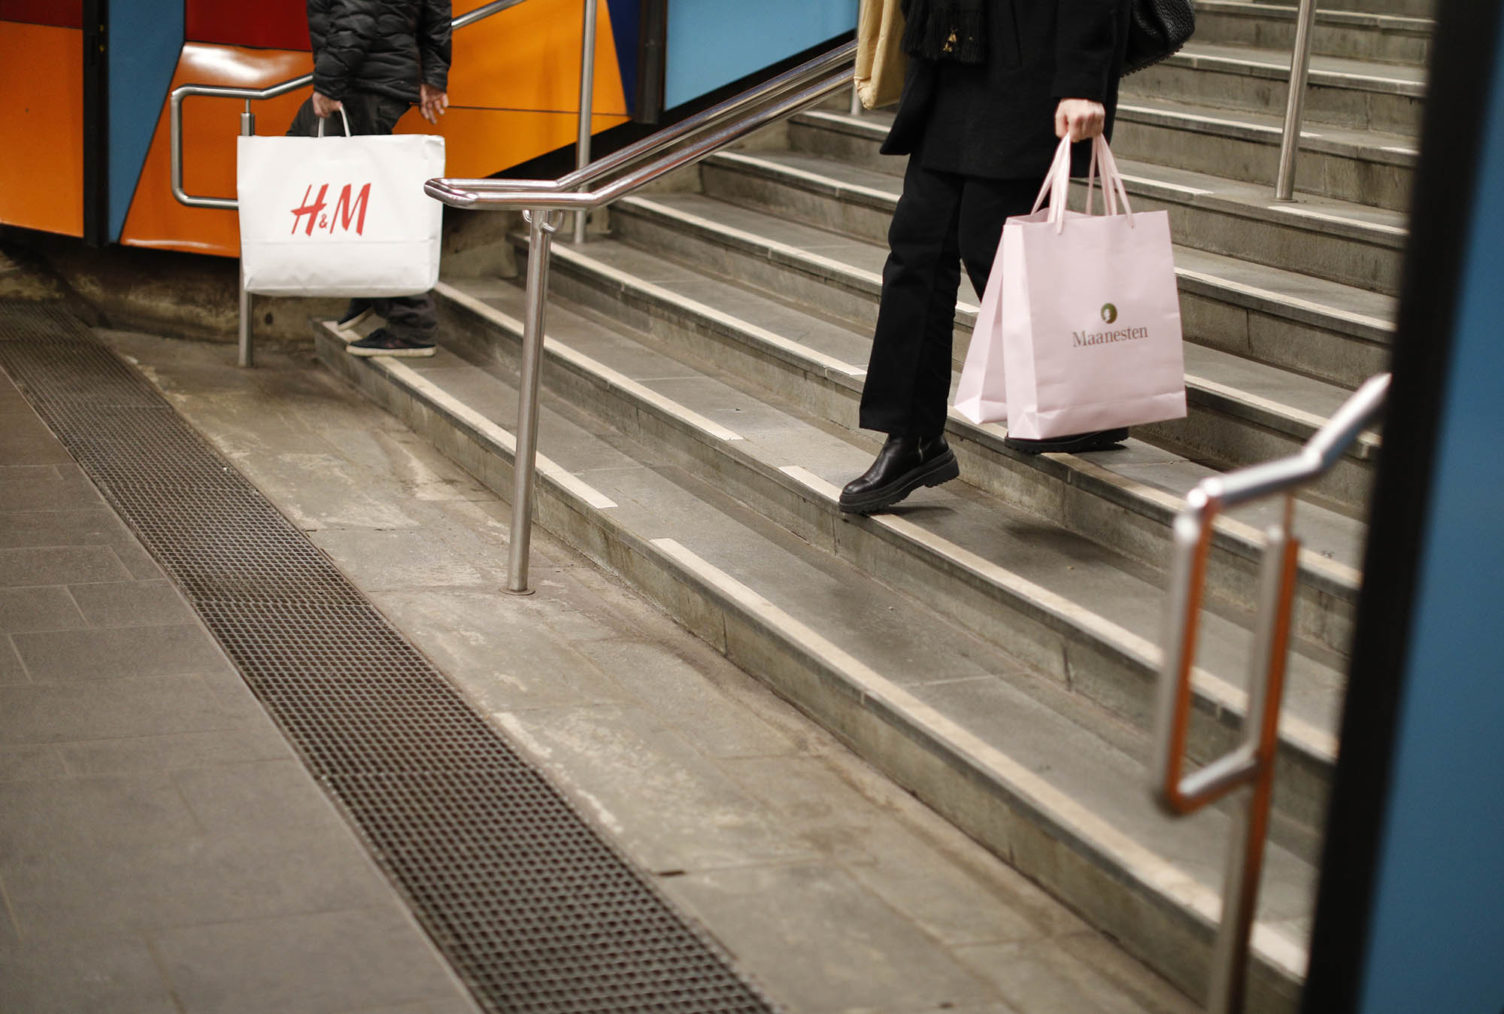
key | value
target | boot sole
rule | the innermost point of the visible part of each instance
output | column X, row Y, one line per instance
column 940, row 470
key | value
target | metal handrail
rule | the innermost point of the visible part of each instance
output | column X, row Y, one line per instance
column 1300, row 65
column 487, row 192
column 250, row 95
column 701, row 135
column 1251, row 762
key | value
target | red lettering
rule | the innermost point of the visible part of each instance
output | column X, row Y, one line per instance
column 344, row 210
column 310, row 210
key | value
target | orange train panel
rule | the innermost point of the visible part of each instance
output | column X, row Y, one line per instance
column 210, row 126
column 513, row 91
column 41, row 128
column 528, row 57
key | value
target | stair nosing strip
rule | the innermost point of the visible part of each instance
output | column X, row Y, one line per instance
column 796, row 258
column 1214, row 689
column 1159, row 874
column 1247, row 537
column 1339, row 578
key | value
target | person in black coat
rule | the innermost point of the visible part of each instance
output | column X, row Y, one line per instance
column 372, row 60
column 991, row 87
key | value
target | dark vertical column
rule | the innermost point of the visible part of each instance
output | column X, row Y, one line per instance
column 652, row 57
column 96, row 146
column 1465, row 60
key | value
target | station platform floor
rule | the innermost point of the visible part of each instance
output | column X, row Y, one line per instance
column 164, row 848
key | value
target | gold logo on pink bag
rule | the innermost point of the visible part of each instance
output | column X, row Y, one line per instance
column 1109, row 313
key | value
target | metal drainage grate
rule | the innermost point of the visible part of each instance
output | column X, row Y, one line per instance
column 534, row 910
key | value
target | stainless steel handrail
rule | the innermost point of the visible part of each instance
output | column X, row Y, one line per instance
column 829, row 63
column 1295, row 102
column 248, row 127
column 587, row 90
column 1251, row 762
column 541, row 200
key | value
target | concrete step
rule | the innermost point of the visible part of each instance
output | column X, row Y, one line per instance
column 1343, row 242
column 842, row 276
column 1362, row 167
column 1306, row 325
column 1125, row 500
column 1398, row 8
column 1359, row 34
column 949, row 716
column 1358, row 94
column 1081, row 612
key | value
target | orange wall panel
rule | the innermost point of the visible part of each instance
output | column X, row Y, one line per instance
column 513, row 91
column 41, row 128
column 528, row 57
column 210, row 127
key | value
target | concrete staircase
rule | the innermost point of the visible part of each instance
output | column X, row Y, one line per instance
column 992, row 644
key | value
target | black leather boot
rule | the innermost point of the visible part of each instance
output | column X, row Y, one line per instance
column 902, row 466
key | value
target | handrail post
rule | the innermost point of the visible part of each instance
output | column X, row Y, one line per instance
column 541, row 226
column 1250, row 826
column 1300, row 62
column 247, row 352
column 587, row 107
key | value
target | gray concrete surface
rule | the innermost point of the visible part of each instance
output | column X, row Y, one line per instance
column 161, row 849
column 835, row 890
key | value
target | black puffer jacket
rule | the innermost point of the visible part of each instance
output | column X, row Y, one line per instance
column 381, row 46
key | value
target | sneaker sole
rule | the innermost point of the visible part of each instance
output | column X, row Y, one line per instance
column 940, row 470
column 397, row 353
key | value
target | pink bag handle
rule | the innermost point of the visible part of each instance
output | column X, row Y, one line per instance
column 1057, row 184
column 1113, row 189
column 1058, row 180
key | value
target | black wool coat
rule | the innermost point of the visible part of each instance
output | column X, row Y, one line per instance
column 382, row 46
column 997, row 120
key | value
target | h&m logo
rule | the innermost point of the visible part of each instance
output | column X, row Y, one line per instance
column 346, row 211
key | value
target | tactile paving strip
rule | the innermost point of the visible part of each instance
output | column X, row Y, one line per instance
column 534, row 910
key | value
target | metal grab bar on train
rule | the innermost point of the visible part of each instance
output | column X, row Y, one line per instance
column 248, row 127
column 1295, row 101
column 541, row 200
column 1251, row 762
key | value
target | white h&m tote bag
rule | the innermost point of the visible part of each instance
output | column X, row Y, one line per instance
column 1080, row 327
column 339, row 216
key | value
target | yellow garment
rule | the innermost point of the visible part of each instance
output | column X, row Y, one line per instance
column 880, row 60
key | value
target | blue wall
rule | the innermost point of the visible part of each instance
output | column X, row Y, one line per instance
column 714, row 42
column 1437, row 939
column 146, row 37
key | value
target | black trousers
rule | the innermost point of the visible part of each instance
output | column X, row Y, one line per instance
column 408, row 318
column 942, row 220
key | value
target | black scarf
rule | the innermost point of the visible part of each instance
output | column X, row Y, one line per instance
column 946, row 30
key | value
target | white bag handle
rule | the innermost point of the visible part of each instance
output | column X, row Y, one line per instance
column 342, row 116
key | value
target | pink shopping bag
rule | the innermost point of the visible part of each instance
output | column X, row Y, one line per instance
column 1085, row 321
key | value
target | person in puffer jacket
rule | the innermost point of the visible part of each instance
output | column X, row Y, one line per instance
column 372, row 60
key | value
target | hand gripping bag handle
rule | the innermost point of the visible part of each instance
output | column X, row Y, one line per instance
column 342, row 116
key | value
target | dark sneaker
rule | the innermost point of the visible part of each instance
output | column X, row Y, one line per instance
column 382, row 342
column 1076, row 443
